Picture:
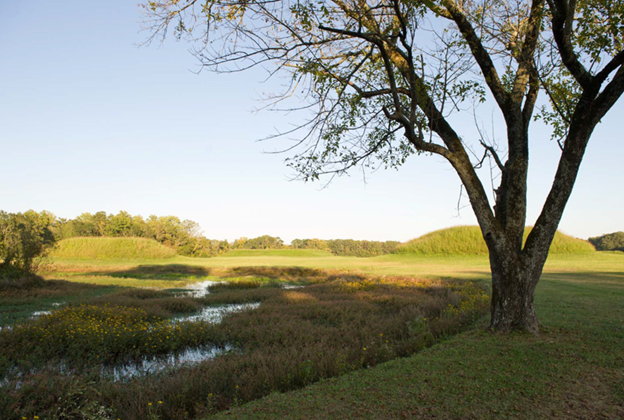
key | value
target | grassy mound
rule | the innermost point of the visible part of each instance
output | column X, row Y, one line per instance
column 111, row 248
column 467, row 240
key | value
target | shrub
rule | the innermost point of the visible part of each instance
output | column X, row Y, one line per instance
column 24, row 241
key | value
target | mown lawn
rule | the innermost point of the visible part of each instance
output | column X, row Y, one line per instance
column 573, row 369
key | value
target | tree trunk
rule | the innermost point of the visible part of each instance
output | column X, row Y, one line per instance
column 513, row 290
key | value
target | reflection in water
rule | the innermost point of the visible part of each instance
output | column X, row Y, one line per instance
column 215, row 314
column 201, row 289
column 198, row 290
column 155, row 364
column 188, row 357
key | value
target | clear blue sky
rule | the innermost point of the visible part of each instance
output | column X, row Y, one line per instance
column 89, row 122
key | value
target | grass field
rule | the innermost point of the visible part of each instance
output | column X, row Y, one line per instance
column 573, row 369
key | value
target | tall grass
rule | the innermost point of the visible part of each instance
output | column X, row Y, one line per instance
column 111, row 248
column 294, row 338
column 467, row 240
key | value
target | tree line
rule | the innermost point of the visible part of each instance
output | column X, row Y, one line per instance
column 25, row 237
column 609, row 242
column 348, row 247
column 185, row 236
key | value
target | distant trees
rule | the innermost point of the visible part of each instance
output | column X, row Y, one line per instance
column 309, row 244
column 185, row 236
column 261, row 242
column 24, row 240
column 347, row 247
column 350, row 247
column 25, row 237
column 609, row 242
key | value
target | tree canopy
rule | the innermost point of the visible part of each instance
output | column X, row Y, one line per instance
column 24, row 241
column 185, row 236
column 383, row 79
column 609, row 242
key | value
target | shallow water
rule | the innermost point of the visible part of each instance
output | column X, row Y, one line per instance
column 198, row 290
column 156, row 364
column 37, row 314
column 215, row 314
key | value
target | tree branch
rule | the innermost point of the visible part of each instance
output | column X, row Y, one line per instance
column 531, row 98
column 563, row 16
column 612, row 65
column 525, row 58
column 609, row 96
column 480, row 54
column 492, row 152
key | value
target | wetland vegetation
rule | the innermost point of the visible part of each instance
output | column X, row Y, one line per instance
column 136, row 336
column 288, row 338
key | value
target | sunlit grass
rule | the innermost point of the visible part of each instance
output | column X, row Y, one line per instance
column 468, row 240
column 97, row 248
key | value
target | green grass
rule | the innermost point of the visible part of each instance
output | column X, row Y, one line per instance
column 111, row 248
column 573, row 369
column 467, row 240
column 473, row 267
column 19, row 304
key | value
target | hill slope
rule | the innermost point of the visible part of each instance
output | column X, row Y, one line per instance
column 111, row 248
column 467, row 240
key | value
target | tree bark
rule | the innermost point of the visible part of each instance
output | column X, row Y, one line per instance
column 513, row 291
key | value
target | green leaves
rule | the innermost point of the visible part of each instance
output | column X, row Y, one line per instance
column 24, row 240
column 599, row 29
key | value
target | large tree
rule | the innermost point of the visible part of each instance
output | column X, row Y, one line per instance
column 382, row 79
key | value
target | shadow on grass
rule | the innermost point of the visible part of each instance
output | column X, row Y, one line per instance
column 163, row 272
column 276, row 272
column 588, row 278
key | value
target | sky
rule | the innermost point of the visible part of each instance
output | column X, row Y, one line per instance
column 91, row 121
